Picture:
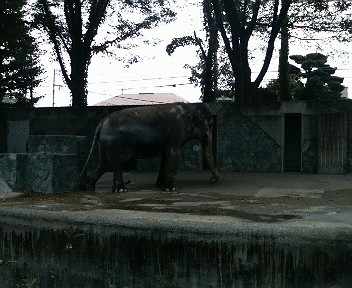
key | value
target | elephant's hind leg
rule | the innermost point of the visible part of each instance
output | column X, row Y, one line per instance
column 119, row 185
column 172, row 157
column 94, row 176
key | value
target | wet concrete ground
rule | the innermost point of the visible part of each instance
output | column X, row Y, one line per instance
column 243, row 197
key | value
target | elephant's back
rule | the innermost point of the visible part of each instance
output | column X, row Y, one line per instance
column 152, row 116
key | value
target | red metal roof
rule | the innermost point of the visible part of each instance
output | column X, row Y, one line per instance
column 142, row 99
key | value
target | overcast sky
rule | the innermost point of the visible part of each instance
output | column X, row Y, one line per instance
column 157, row 72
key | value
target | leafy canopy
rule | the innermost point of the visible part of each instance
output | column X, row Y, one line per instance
column 72, row 27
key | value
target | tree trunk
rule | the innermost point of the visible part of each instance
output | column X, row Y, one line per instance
column 210, row 58
column 78, row 83
column 283, row 63
column 243, row 82
column 208, row 148
column 210, row 70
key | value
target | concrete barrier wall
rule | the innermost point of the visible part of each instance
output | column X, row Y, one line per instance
column 157, row 258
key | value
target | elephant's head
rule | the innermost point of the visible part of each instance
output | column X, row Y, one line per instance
column 202, row 129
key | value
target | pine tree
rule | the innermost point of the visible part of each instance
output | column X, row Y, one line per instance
column 320, row 81
column 19, row 68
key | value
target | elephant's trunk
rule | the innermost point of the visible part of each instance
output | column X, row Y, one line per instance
column 208, row 148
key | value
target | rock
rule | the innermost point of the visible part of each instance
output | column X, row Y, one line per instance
column 4, row 188
column 6, row 191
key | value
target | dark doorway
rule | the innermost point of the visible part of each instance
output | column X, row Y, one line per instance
column 292, row 150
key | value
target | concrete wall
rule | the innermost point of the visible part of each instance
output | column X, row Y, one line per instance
column 252, row 141
column 158, row 258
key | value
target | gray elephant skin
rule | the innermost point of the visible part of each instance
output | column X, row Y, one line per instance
column 148, row 131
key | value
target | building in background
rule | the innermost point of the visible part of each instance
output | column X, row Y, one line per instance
column 344, row 93
column 142, row 99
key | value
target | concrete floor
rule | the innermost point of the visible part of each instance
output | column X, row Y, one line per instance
column 242, row 197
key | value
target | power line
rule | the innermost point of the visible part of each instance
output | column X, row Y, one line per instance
column 147, row 87
column 161, row 86
column 138, row 80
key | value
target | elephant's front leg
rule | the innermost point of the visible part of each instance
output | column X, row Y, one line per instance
column 172, row 157
column 118, row 185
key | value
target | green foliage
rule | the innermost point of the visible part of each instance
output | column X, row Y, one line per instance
column 317, row 75
column 272, row 91
column 316, row 16
column 320, row 82
column 179, row 42
column 19, row 58
column 71, row 235
column 72, row 28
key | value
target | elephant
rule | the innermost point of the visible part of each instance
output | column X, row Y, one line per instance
column 148, row 131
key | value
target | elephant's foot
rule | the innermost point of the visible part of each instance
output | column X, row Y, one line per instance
column 119, row 189
column 164, row 187
column 169, row 189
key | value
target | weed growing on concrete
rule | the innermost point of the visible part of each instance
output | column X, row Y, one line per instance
column 3, row 264
column 27, row 284
column 72, row 234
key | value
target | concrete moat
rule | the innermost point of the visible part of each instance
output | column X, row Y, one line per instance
column 251, row 230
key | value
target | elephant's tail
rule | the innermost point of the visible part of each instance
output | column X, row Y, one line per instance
column 96, row 136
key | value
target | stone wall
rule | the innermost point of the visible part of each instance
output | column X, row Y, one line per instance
column 244, row 146
column 9, row 169
column 191, row 159
column 349, row 143
column 53, row 166
column 61, row 144
column 251, row 142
